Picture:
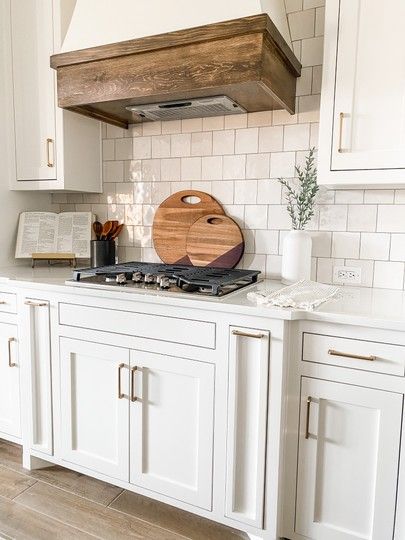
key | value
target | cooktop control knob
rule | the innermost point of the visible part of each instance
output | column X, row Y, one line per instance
column 137, row 277
column 121, row 279
column 164, row 282
column 150, row 278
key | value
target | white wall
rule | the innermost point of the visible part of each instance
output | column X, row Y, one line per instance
column 98, row 22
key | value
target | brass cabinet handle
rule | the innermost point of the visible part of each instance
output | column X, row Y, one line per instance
column 370, row 358
column 246, row 334
column 133, row 396
column 120, row 394
column 341, row 117
column 2, row 302
column 35, row 304
column 309, row 401
column 10, row 341
column 50, row 161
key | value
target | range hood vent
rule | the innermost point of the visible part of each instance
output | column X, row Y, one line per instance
column 193, row 108
column 246, row 62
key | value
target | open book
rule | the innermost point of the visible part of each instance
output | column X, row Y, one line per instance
column 46, row 232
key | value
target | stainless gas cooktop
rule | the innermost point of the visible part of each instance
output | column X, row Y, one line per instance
column 175, row 278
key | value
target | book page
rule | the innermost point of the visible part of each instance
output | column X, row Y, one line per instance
column 74, row 233
column 36, row 234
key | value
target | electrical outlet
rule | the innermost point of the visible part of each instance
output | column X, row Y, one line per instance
column 346, row 274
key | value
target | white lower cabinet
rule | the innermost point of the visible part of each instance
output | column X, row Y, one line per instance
column 94, row 406
column 37, row 351
column 247, row 425
column 172, row 424
column 10, row 421
column 349, row 443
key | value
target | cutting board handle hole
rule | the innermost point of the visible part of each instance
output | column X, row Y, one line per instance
column 214, row 221
column 191, row 199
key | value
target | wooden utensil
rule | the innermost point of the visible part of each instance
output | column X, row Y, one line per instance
column 113, row 229
column 117, row 231
column 173, row 219
column 215, row 240
column 108, row 225
column 98, row 229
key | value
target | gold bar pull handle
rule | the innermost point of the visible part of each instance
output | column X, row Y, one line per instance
column 10, row 362
column 341, row 117
column 370, row 358
column 247, row 334
column 120, row 394
column 35, row 304
column 2, row 302
column 50, row 160
column 133, row 396
column 309, row 401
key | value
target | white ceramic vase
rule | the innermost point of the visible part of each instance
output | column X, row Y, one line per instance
column 296, row 262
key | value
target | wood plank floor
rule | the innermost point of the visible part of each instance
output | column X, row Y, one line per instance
column 57, row 503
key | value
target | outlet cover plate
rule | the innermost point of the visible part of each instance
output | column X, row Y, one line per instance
column 349, row 275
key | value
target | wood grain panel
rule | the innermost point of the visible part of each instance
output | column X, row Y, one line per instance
column 172, row 222
column 215, row 241
column 88, row 516
column 13, row 483
column 246, row 59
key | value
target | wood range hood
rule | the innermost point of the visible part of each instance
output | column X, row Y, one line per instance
column 245, row 59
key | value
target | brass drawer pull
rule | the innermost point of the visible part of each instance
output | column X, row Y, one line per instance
column 2, row 302
column 309, row 401
column 35, row 304
column 50, row 162
column 341, row 117
column 120, row 394
column 370, row 358
column 133, row 396
column 10, row 341
column 246, row 334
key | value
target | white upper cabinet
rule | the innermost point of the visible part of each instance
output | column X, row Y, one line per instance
column 54, row 149
column 362, row 131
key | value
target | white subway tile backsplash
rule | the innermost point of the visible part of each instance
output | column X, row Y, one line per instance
column 388, row 275
column 247, row 141
column 302, row 24
column 375, row 246
column 257, row 165
column 271, row 139
column 345, row 245
column 234, row 167
column 181, row 145
column 238, row 159
column 391, row 218
column 223, row 142
column 296, row 137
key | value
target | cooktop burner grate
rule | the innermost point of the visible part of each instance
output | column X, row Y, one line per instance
column 199, row 280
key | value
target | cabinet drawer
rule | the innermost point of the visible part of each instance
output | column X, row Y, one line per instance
column 143, row 325
column 354, row 353
column 8, row 302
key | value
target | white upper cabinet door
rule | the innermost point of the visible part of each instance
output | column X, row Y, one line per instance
column 34, row 89
column 362, row 135
column 95, row 406
column 10, row 421
column 347, row 462
column 172, row 424
column 247, row 424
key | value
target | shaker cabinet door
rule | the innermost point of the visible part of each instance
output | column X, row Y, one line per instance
column 369, row 122
column 34, row 89
column 171, row 426
column 348, row 456
column 95, row 406
column 10, row 421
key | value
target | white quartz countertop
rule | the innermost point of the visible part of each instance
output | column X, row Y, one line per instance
column 378, row 308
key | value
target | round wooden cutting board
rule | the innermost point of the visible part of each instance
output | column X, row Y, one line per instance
column 172, row 222
column 215, row 240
